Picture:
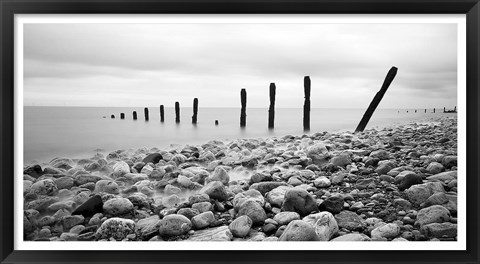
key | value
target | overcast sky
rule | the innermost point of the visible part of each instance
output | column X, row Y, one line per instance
column 153, row 64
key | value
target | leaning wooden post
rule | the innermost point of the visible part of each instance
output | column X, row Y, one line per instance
column 195, row 111
column 243, row 111
column 306, row 105
column 376, row 100
column 271, row 110
column 146, row 113
column 162, row 113
column 134, row 115
column 177, row 112
column 122, row 115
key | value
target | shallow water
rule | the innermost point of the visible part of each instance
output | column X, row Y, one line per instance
column 80, row 132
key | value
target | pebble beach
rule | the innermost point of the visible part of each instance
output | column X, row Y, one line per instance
column 398, row 183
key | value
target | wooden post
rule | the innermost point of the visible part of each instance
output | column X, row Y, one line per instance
column 455, row 109
column 134, row 115
column 425, row 110
column 271, row 110
column 195, row 111
column 112, row 116
column 216, row 122
column 444, row 109
column 162, row 113
column 177, row 112
column 434, row 110
column 146, row 114
column 243, row 111
column 415, row 110
column 376, row 100
column 306, row 105
column 122, row 115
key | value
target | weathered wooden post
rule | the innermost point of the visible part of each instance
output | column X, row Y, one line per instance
column 146, row 114
column 177, row 112
column 376, row 100
column 425, row 110
column 134, row 115
column 216, row 122
column 455, row 109
column 243, row 111
column 112, row 116
column 444, row 109
column 162, row 113
column 306, row 105
column 195, row 111
column 415, row 110
column 122, row 115
column 434, row 110
column 271, row 110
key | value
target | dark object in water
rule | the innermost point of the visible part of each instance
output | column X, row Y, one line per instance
column 134, row 115
column 122, row 116
column 306, row 104
column 153, row 158
column 162, row 113
column 376, row 100
column 450, row 111
column 90, row 207
column 177, row 112
column 216, row 122
column 243, row 111
column 146, row 114
column 112, row 116
column 34, row 171
column 195, row 111
column 271, row 110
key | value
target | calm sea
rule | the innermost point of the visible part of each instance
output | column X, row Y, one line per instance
column 80, row 132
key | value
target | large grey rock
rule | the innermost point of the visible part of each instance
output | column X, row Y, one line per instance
column 118, row 206
column 387, row 231
column 410, row 180
column 440, row 230
column 240, row 227
column 433, row 214
column 350, row 221
column 418, row 194
column 324, row 223
column 276, row 196
column 300, row 201
column 117, row 228
column 215, row 190
column 203, row 220
column 444, row 176
column 333, row 204
column 120, row 168
column 284, row 218
column 174, row 225
column 245, row 195
column 299, row 230
column 44, row 187
column 107, row 186
column 341, row 160
column 380, row 154
column 220, row 174
column 254, row 210
column 148, row 227
column 435, row 167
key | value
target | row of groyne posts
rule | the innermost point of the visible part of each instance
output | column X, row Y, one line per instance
column 444, row 110
column 271, row 110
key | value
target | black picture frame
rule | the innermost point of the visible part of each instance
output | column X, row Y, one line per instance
column 8, row 8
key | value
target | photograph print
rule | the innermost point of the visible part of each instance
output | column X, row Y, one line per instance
column 233, row 131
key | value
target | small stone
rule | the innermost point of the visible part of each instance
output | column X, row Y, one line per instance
column 352, row 237
column 322, row 182
column 221, row 175
column 215, row 190
column 44, row 187
column 333, row 204
column 350, row 221
column 221, row 233
column 203, row 220
column 120, row 168
column 435, row 168
column 118, row 206
column 202, row 206
column 440, row 230
column 116, row 228
column 253, row 210
column 300, row 201
column 409, row 180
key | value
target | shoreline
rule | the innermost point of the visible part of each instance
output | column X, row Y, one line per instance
column 396, row 183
